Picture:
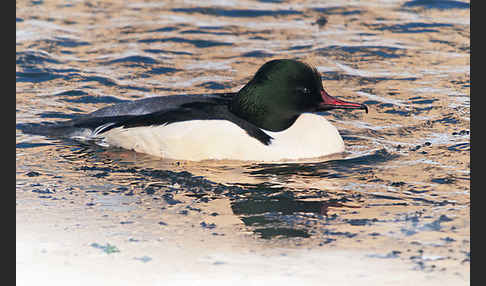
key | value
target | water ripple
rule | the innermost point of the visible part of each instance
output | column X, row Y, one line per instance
column 236, row 12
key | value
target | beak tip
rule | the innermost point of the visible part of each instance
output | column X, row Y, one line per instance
column 365, row 108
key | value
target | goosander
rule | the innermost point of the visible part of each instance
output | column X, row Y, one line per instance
column 271, row 118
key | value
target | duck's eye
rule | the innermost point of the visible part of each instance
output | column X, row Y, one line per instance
column 304, row 90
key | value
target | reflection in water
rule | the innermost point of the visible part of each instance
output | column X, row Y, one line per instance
column 265, row 214
column 268, row 209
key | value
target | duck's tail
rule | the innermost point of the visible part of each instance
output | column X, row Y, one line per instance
column 61, row 130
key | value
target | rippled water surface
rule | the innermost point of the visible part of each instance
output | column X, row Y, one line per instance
column 401, row 192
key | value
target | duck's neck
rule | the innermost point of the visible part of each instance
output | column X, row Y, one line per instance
column 251, row 106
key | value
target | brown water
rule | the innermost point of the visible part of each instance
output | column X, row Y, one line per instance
column 403, row 190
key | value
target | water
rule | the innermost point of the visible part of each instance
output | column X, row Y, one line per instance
column 403, row 187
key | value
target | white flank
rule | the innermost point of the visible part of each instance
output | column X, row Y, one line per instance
column 310, row 136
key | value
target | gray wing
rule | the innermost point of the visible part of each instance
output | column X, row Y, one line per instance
column 152, row 110
column 153, row 104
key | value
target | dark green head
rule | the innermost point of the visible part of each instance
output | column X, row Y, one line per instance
column 280, row 91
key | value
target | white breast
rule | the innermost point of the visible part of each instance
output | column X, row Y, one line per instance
column 310, row 136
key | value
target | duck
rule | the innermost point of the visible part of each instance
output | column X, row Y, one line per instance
column 276, row 116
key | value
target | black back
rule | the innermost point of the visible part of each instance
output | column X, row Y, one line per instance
column 149, row 112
